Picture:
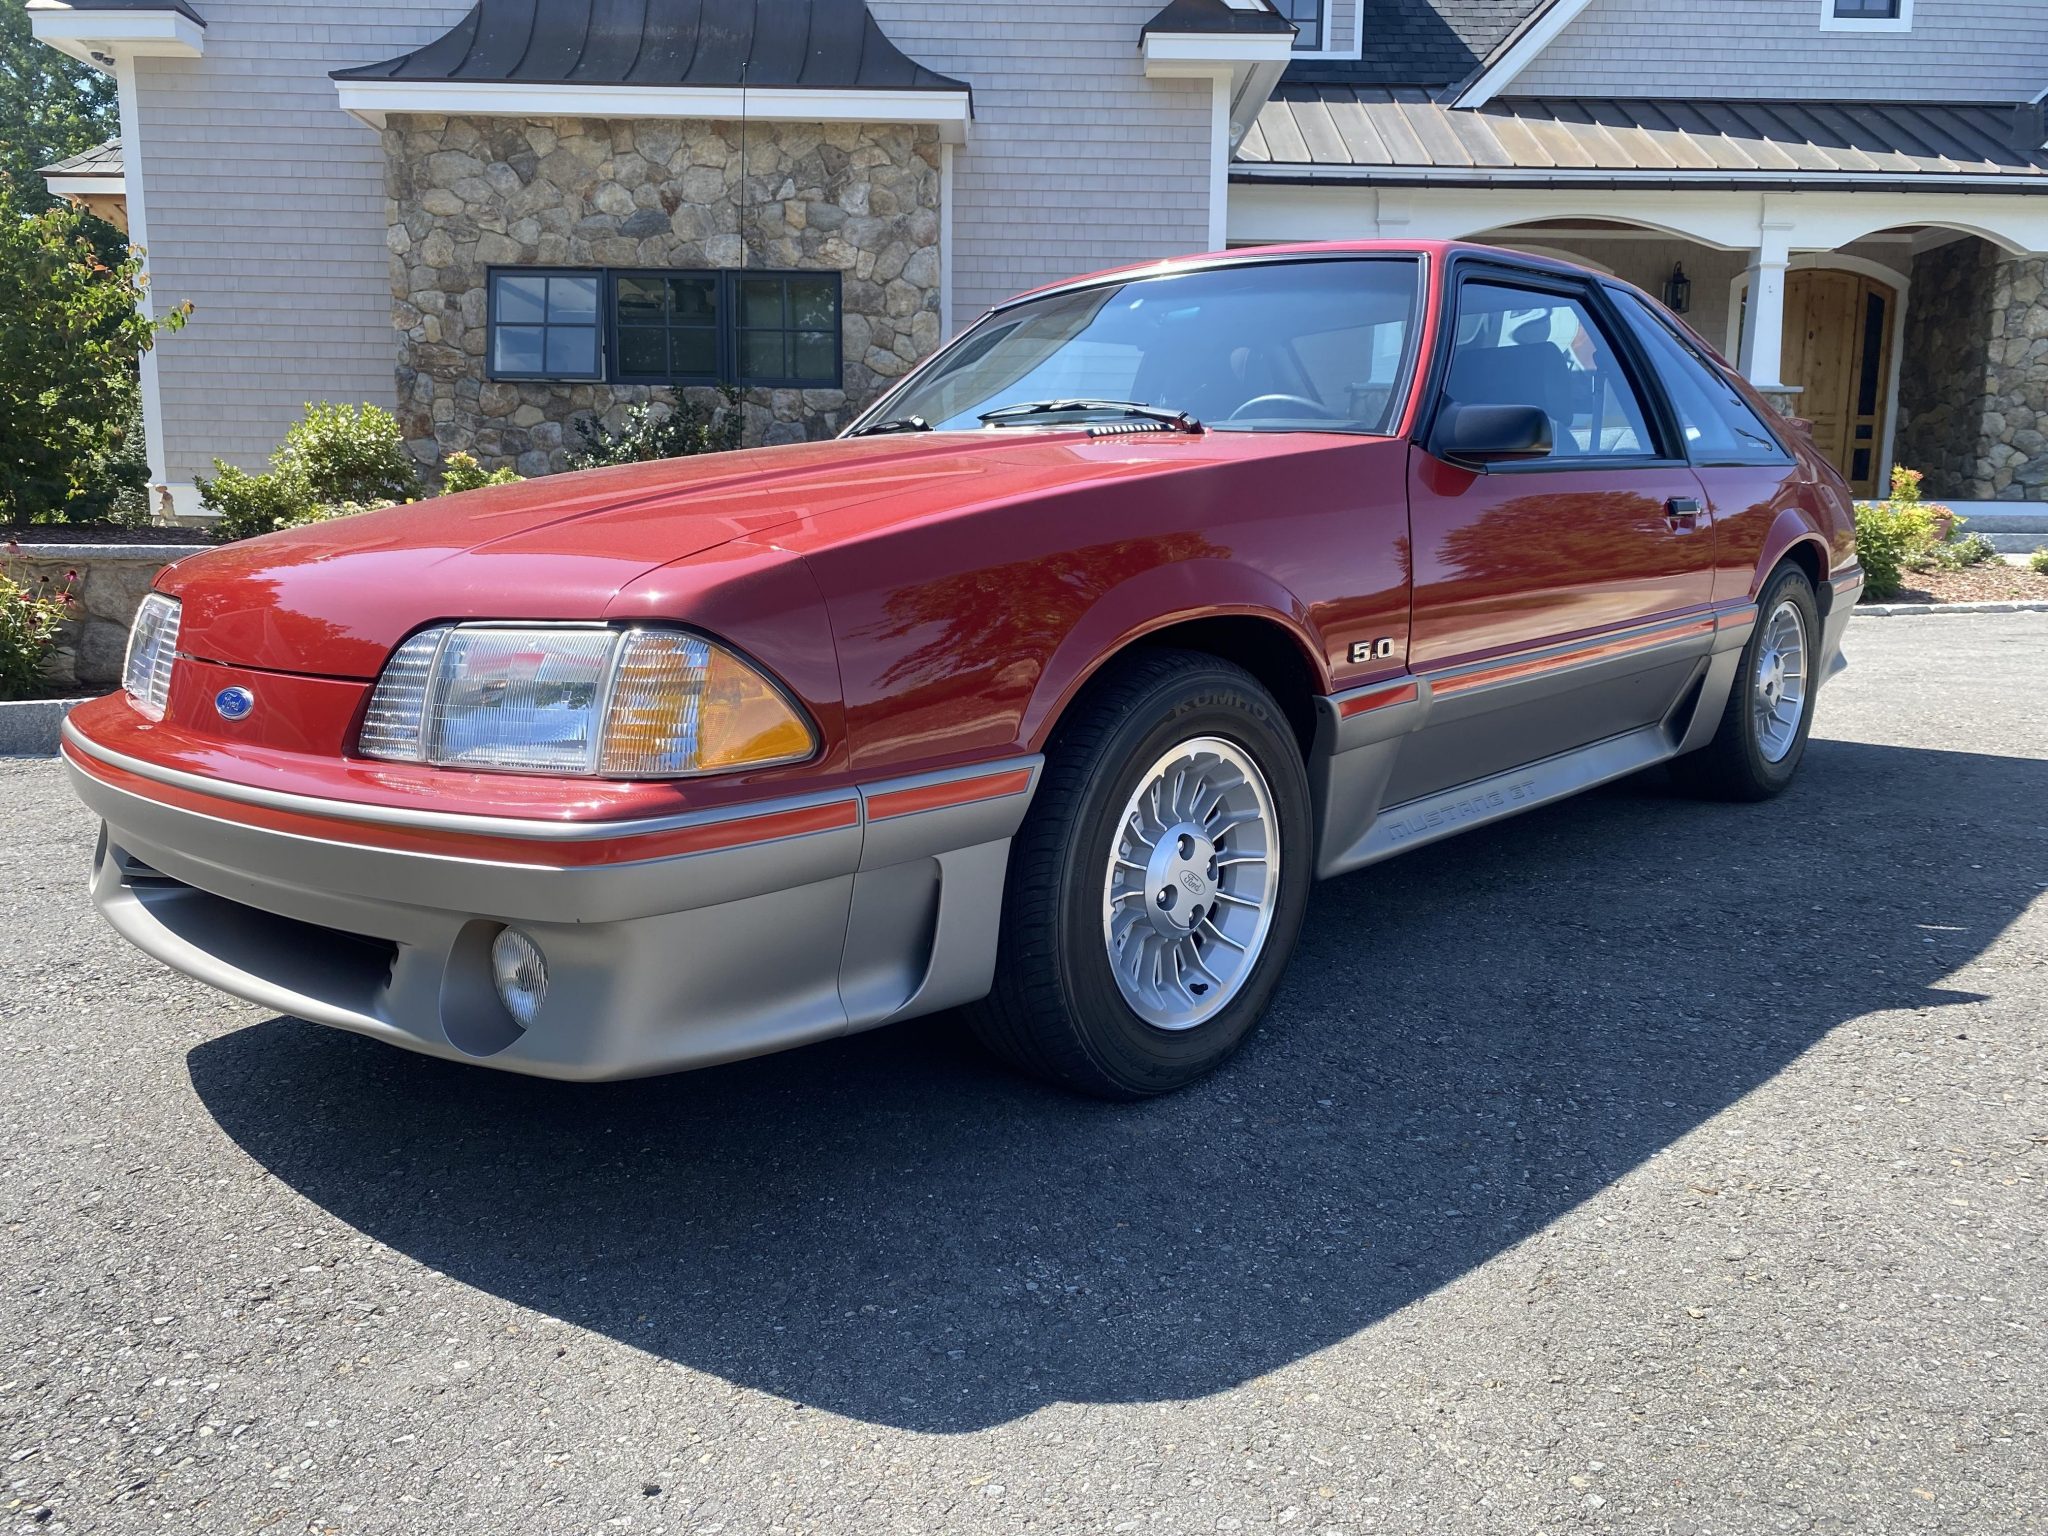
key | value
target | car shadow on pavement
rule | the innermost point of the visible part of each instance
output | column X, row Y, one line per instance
column 1472, row 1040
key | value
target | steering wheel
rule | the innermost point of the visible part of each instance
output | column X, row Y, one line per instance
column 1315, row 407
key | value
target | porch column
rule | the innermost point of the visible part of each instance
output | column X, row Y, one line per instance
column 1763, row 321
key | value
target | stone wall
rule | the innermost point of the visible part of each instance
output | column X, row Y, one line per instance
column 109, row 581
column 471, row 193
column 1973, row 392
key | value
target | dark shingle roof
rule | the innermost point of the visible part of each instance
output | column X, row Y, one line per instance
column 1382, row 134
column 100, row 160
column 815, row 44
column 1217, row 17
column 1421, row 42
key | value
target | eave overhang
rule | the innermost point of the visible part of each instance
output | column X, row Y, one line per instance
column 1244, row 42
column 100, row 34
column 762, row 60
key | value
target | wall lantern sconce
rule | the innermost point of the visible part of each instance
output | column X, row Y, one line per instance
column 1678, row 290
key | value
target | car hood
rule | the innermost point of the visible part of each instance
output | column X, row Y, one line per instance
column 334, row 598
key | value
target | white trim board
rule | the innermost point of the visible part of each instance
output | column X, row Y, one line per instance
column 86, row 186
column 1540, row 33
column 951, row 112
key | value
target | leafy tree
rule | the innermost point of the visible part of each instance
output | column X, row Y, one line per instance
column 50, row 106
column 70, row 335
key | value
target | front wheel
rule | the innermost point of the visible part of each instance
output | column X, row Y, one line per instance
column 1157, row 884
column 1762, row 735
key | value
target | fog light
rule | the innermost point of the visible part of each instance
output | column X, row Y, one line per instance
column 521, row 972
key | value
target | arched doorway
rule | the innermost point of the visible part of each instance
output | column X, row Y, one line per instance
column 1838, row 351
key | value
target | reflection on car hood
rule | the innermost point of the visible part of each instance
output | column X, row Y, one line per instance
column 335, row 597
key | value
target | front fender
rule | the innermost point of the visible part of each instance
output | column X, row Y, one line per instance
column 1155, row 600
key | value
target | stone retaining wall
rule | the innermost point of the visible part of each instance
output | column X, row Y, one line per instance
column 467, row 194
column 111, row 582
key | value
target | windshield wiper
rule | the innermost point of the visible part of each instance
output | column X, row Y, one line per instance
column 1179, row 420
column 894, row 424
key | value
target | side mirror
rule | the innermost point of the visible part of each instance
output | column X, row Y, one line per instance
column 1493, row 434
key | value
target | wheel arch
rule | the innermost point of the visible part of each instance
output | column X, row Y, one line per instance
column 1249, row 620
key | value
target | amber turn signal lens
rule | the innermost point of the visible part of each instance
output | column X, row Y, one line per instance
column 743, row 720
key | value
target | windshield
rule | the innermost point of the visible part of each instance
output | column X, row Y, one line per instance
column 1317, row 346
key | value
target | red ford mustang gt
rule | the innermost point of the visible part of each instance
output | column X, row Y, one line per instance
column 1046, row 689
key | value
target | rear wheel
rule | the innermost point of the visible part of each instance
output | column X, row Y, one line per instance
column 1758, row 746
column 1156, row 887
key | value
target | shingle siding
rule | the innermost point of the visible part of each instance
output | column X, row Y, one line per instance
column 1957, row 50
column 1077, row 161
column 266, row 211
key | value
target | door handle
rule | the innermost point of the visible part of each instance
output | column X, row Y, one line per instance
column 1685, row 507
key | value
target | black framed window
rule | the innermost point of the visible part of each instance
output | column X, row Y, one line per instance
column 544, row 325
column 634, row 326
column 788, row 329
column 666, row 327
column 1307, row 16
column 1866, row 10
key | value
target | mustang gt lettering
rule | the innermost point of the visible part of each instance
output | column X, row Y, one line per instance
column 1045, row 692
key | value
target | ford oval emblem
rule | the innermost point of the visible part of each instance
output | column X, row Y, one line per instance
column 234, row 703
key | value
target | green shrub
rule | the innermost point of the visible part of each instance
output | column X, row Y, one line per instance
column 1888, row 535
column 350, row 453
column 461, row 472
column 339, row 458
column 2037, row 562
column 29, row 620
column 661, row 432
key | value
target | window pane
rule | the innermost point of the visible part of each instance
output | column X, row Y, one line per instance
column 1522, row 347
column 764, row 354
column 572, row 349
column 572, row 298
column 815, row 357
column 518, row 349
column 693, row 352
column 761, row 301
column 643, row 351
column 521, row 300
column 694, row 298
column 641, row 298
column 811, row 304
column 1718, row 423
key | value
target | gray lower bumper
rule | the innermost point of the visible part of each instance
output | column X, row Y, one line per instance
column 653, row 966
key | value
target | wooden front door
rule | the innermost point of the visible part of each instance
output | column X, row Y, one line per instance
column 1838, row 332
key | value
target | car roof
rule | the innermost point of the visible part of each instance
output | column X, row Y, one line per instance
column 1442, row 249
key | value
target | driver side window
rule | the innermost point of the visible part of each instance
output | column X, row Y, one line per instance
column 1522, row 346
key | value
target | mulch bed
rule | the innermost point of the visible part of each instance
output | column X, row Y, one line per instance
column 1992, row 582
column 100, row 533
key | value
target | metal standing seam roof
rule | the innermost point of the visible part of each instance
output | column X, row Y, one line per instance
column 100, row 160
column 813, row 44
column 1373, row 134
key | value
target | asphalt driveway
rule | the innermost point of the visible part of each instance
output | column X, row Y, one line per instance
column 1639, row 1165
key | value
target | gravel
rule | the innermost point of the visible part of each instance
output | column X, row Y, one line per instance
column 1639, row 1166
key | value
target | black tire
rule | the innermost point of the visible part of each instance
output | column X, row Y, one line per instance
column 1056, row 1010
column 1733, row 766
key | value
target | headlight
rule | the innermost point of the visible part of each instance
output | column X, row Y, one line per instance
column 152, row 647
column 579, row 699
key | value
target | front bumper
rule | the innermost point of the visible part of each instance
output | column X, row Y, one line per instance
column 671, row 943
